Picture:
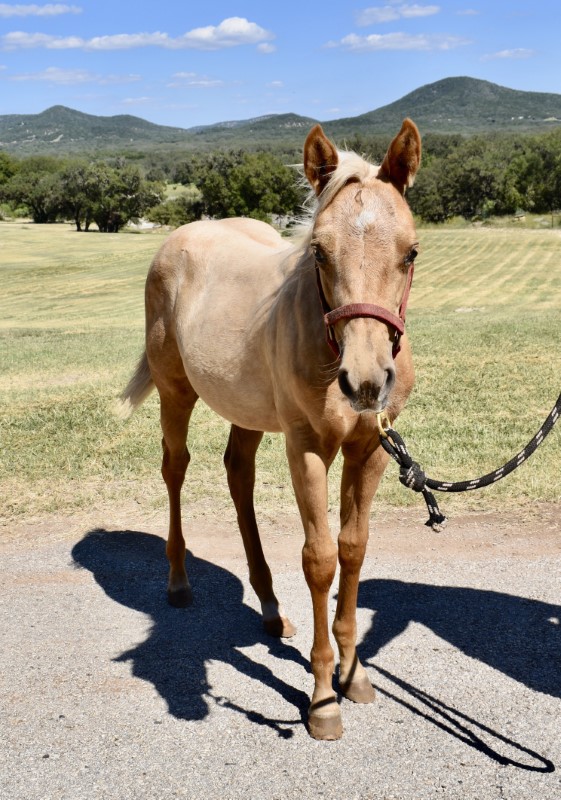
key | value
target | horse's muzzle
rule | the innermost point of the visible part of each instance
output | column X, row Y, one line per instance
column 370, row 395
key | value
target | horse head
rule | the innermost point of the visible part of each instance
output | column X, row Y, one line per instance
column 364, row 244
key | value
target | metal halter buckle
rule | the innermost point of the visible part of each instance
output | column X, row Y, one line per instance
column 384, row 423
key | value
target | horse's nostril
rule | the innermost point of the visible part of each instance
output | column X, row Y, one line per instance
column 344, row 383
column 390, row 380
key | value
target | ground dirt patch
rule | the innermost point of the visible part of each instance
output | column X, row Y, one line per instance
column 531, row 531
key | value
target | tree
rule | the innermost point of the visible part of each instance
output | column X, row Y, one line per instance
column 426, row 197
column 79, row 181
column 247, row 185
column 36, row 187
column 468, row 180
column 213, row 179
column 186, row 207
column 263, row 187
column 121, row 194
column 8, row 168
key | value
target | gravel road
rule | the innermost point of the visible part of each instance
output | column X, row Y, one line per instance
column 106, row 692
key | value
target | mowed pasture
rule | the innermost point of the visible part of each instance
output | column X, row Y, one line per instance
column 484, row 321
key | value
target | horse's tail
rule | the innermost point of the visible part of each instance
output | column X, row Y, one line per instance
column 137, row 389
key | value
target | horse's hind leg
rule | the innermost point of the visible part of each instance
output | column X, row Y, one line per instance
column 175, row 412
column 239, row 460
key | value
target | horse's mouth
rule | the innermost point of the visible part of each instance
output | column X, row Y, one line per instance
column 362, row 406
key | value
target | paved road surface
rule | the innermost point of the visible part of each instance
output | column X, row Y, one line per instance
column 106, row 692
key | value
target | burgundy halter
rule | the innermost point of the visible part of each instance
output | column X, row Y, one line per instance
column 353, row 310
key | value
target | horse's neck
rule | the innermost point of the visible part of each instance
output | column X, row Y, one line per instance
column 299, row 314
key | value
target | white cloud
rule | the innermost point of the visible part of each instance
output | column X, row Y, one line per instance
column 418, row 11
column 398, row 41
column 266, row 47
column 19, row 40
column 49, row 10
column 276, row 85
column 388, row 13
column 516, row 52
column 468, row 12
column 193, row 80
column 231, row 32
column 374, row 16
column 73, row 77
column 136, row 101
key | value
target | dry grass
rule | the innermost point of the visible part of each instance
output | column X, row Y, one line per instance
column 54, row 277
column 71, row 328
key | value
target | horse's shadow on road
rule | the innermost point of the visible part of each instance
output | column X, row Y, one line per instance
column 131, row 568
column 516, row 636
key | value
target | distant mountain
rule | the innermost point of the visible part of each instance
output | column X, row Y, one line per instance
column 460, row 105
column 452, row 105
column 281, row 129
column 60, row 129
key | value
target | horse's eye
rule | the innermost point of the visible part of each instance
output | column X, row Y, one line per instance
column 411, row 256
column 319, row 254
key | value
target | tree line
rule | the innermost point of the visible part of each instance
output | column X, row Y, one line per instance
column 486, row 176
column 112, row 193
column 471, row 177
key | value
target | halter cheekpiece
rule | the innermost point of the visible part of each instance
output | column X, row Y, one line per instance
column 354, row 310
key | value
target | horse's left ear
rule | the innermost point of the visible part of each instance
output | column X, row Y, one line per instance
column 403, row 158
column 320, row 159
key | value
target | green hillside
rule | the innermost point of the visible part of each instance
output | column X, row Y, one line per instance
column 452, row 105
column 460, row 105
column 62, row 130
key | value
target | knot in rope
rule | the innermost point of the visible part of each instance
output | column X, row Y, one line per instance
column 413, row 477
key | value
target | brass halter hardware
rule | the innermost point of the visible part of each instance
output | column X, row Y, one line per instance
column 384, row 423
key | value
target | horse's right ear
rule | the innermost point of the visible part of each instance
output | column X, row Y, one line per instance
column 320, row 159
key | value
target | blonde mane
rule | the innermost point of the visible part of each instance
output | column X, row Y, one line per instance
column 350, row 167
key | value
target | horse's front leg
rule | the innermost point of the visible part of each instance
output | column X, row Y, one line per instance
column 319, row 560
column 362, row 471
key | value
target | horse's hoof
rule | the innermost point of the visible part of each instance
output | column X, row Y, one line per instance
column 280, row 627
column 180, row 598
column 359, row 691
column 325, row 727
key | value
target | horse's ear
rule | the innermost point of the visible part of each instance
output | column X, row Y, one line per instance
column 320, row 159
column 402, row 160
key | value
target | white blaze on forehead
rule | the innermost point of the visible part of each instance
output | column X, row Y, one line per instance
column 365, row 219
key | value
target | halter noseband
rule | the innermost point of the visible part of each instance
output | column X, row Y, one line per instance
column 354, row 310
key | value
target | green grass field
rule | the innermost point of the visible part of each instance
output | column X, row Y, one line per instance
column 484, row 322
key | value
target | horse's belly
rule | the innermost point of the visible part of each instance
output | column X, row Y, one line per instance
column 240, row 414
column 231, row 377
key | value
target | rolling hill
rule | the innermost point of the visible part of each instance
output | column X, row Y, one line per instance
column 461, row 105
column 452, row 105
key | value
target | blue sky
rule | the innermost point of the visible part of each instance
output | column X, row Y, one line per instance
column 192, row 63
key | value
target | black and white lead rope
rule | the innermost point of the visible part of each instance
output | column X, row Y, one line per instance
column 413, row 477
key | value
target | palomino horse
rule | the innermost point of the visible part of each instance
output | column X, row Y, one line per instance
column 237, row 315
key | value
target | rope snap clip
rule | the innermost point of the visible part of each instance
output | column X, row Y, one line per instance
column 384, row 423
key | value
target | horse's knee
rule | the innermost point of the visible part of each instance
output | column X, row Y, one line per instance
column 351, row 554
column 319, row 563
